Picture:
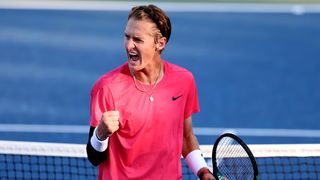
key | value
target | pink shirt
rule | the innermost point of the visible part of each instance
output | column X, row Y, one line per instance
column 148, row 144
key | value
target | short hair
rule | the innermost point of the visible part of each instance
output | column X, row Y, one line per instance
column 156, row 15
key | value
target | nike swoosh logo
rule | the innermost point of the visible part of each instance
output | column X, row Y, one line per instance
column 175, row 98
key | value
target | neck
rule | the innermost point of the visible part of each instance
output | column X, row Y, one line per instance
column 149, row 77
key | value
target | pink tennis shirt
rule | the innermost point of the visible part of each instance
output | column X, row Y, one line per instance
column 148, row 144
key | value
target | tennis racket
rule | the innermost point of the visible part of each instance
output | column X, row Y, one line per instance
column 232, row 159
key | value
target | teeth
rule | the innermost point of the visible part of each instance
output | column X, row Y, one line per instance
column 133, row 54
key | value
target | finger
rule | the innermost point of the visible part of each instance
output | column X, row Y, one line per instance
column 110, row 114
column 118, row 122
column 113, row 113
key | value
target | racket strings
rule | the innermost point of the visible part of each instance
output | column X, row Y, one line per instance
column 233, row 161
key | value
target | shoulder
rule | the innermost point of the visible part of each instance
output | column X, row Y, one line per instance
column 114, row 76
column 177, row 71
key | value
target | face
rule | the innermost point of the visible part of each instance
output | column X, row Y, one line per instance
column 140, row 44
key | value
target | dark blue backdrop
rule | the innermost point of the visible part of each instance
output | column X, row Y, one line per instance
column 252, row 70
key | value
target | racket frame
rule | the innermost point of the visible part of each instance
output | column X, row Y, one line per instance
column 216, row 171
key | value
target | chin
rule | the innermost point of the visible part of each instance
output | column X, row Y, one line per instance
column 133, row 67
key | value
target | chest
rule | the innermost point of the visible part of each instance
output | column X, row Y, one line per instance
column 139, row 114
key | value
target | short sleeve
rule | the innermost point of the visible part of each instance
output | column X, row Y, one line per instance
column 100, row 102
column 192, row 103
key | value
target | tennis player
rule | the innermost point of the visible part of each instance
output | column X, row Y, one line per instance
column 141, row 112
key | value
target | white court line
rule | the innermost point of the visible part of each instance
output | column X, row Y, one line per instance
column 167, row 6
column 200, row 131
column 43, row 128
column 259, row 132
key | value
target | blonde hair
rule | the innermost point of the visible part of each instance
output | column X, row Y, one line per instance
column 155, row 15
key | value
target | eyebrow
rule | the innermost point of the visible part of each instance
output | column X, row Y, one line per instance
column 135, row 36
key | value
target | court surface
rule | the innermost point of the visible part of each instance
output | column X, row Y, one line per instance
column 257, row 72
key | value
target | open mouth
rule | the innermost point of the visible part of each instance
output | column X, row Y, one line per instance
column 134, row 57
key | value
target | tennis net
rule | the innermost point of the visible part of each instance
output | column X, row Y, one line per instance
column 33, row 160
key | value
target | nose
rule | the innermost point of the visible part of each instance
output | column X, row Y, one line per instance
column 129, row 44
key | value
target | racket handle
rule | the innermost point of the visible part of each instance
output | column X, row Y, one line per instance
column 218, row 176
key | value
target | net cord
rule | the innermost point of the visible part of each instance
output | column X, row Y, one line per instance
column 79, row 150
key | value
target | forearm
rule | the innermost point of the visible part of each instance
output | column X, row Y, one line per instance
column 192, row 153
column 98, row 137
column 190, row 144
column 94, row 156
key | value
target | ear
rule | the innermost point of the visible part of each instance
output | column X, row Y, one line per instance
column 161, row 44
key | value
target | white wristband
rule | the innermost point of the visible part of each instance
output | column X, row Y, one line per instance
column 97, row 144
column 195, row 161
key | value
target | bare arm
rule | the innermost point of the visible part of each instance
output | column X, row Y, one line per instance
column 190, row 143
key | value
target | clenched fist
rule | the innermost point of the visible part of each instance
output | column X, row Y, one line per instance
column 108, row 125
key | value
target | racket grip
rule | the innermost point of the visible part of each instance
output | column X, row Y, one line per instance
column 219, row 176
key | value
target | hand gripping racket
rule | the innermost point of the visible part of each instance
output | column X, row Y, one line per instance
column 232, row 159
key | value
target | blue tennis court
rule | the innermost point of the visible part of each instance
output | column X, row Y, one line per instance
column 257, row 73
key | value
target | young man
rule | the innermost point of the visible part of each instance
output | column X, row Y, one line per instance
column 141, row 112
